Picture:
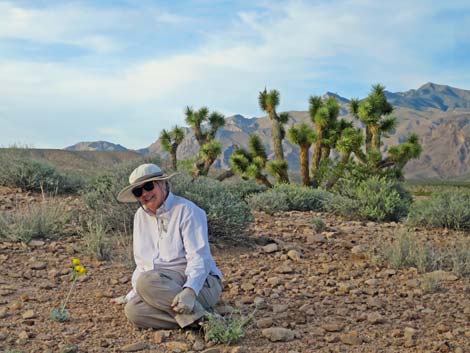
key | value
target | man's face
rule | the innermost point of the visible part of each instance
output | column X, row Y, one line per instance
column 153, row 199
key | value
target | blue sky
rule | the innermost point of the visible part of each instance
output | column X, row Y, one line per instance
column 122, row 70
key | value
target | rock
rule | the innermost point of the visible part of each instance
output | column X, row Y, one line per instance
column 212, row 350
column 35, row 243
column 39, row 265
column 198, row 345
column 159, row 336
column 278, row 334
column 284, row 269
column 270, row 248
column 333, row 327
column 247, row 286
column 372, row 282
column 260, row 303
column 374, row 302
column 294, row 255
column 134, row 347
column 318, row 238
column 23, row 335
column 280, row 308
column 351, row 338
column 443, row 275
column 274, row 281
column 375, row 318
column 176, row 346
column 264, row 322
column 359, row 251
column 3, row 313
column 28, row 315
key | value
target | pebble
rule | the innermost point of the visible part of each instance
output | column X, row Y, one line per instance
column 159, row 336
column 351, row 338
column 176, row 346
column 30, row 314
column 278, row 334
column 134, row 347
column 294, row 255
column 270, row 248
column 264, row 322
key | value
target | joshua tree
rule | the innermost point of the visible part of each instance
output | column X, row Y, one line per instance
column 351, row 140
column 170, row 142
column 375, row 112
column 250, row 164
column 324, row 115
column 209, row 147
column 268, row 101
column 303, row 136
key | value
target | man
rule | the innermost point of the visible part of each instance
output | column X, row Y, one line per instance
column 176, row 278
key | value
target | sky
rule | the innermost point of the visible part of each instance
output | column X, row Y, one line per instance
column 123, row 70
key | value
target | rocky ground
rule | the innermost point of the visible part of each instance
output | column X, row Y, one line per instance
column 309, row 291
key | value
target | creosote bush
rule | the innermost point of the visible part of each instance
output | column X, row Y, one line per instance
column 290, row 197
column 46, row 220
column 227, row 214
column 447, row 209
column 375, row 199
column 243, row 188
column 97, row 241
column 32, row 175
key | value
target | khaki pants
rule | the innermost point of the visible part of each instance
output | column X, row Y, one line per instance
column 151, row 307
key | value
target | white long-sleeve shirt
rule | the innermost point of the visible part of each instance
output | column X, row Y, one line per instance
column 175, row 238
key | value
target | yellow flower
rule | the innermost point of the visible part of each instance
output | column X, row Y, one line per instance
column 76, row 262
column 81, row 270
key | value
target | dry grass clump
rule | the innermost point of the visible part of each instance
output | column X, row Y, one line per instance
column 45, row 220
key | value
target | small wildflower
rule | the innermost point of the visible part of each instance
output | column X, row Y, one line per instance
column 80, row 270
column 61, row 314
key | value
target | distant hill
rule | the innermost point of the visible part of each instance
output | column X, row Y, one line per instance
column 96, row 146
column 78, row 161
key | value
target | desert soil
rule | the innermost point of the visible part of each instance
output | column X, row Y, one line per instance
column 313, row 292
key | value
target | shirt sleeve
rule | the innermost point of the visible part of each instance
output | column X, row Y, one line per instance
column 196, row 244
column 139, row 263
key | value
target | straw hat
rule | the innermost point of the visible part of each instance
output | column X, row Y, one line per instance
column 139, row 176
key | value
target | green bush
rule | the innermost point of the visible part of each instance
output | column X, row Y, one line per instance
column 447, row 209
column 225, row 330
column 243, row 188
column 376, row 199
column 460, row 255
column 47, row 220
column 227, row 215
column 290, row 197
column 32, row 175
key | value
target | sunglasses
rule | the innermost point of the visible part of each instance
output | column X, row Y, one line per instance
column 148, row 186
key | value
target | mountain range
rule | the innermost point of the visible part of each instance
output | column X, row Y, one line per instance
column 439, row 114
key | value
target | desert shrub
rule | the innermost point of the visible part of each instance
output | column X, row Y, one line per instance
column 225, row 330
column 97, row 240
column 376, row 199
column 447, row 209
column 33, row 175
column 290, row 197
column 243, row 188
column 460, row 257
column 407, row 251
column 431, row 283
column 318, row 224
column 270, row 201
column 46, row 220
column 227, row 215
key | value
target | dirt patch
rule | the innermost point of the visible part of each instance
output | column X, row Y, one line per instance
column 316, row 292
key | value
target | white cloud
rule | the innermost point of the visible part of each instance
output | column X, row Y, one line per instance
column 300, row 48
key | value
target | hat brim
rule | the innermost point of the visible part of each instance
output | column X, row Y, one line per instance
column 126, row 195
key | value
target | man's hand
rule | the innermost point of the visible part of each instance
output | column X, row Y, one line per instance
column 119, row 300
column 183, row 303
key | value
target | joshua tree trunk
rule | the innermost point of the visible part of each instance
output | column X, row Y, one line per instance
column 173, row 157
column 277, row 140
column 262, row 180
column 374, row 130
column 316, row 158
column 304, row 165
column 225, row 175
